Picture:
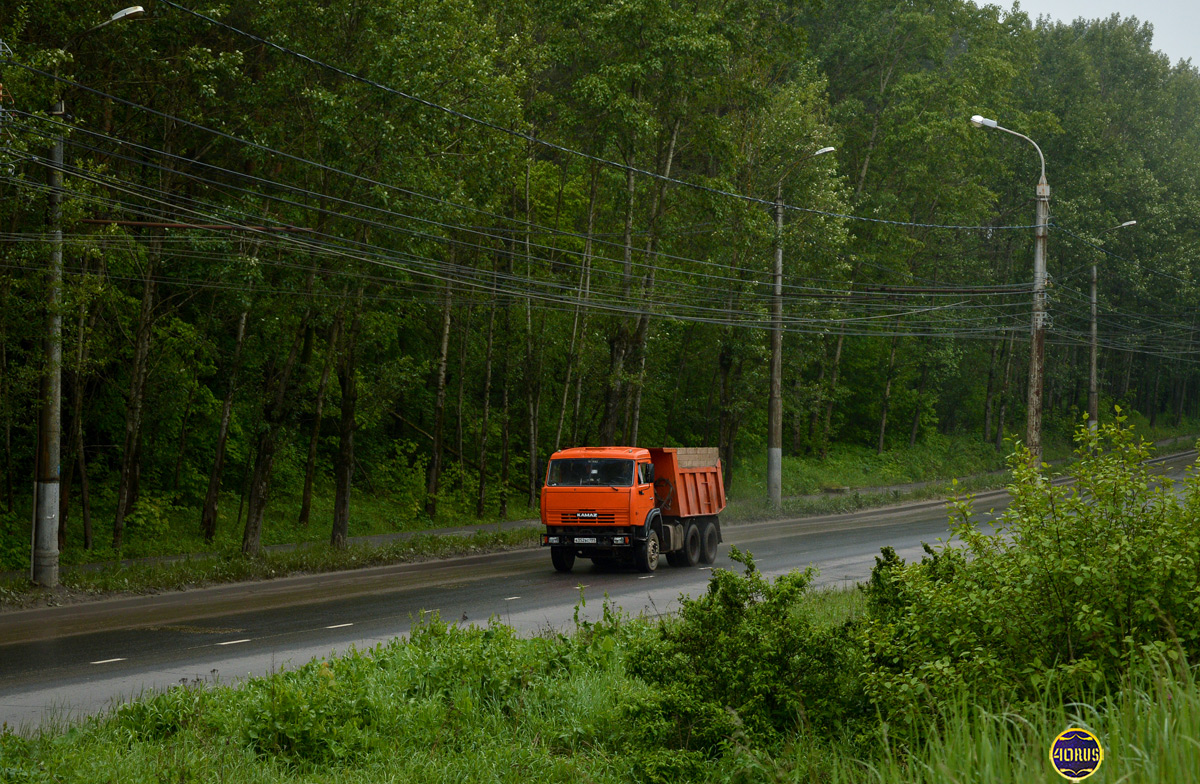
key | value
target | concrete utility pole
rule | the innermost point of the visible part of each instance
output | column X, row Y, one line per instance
column 1037, row 343
column 1093, row 374
column 46, row 491
column 775, row 395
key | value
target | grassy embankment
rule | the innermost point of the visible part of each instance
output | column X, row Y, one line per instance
column 961, row 667
column 482, row 705
column 850, row 478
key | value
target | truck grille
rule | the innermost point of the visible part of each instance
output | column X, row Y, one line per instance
column 587, row 517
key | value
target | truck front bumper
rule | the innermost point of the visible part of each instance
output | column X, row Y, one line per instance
column 558, row 536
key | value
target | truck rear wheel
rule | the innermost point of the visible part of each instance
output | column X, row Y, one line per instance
column 709, row 539
column 563, row 558
column 690, row 554
column 647, row 554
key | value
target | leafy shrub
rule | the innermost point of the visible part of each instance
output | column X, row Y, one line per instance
column 311, row 715
column 150, row 518
column 163, row 715
column 745, row 661
column 1081, row 582
column 14, row 542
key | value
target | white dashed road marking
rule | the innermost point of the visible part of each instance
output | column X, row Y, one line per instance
column 108, row 661
column 234, row 642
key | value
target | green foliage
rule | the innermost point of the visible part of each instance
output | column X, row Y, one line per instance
column 1145, row 727
column 1077, row 582
column 229, row 565
column 746, row 661
column 14, row 542
column 149, row 519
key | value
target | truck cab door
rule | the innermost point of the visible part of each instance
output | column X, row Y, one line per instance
column 643, row 498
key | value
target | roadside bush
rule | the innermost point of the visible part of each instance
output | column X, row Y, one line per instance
column 1078, row 583
column 14, row 542
column 318, row 714
column 745, row 662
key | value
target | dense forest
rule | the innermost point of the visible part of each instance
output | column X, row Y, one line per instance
column 392, row 248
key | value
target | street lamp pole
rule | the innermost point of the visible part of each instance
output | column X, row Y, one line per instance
column 1093, row 374
column 1037, row 343
column 47, row 494
column 775, row 395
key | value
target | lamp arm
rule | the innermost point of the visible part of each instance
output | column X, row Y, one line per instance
column 1031, row 141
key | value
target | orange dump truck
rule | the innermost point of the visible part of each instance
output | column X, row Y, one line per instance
column 629, row 505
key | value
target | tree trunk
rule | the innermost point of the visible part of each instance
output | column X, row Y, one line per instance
column 74, row 434
column 481, row 501
column 1152, row 404
column 314, row 438
column 887, row 395
column 830, row 392
column 181, row 449
column 585, row 283
column 815, row 418
column 64, row 498
column 208, row 516
column 434, row 473
column 619, row 342
column 8, row 479
column 85, row 494
column 344, row 465
column 1008, row 355
column 462, row 375
column 729, row 369
column 504, row 423
column 916, row 423
column 643, row 328
column 989, row 395
column 130, row 452
column 533, row 360
column 275, row 411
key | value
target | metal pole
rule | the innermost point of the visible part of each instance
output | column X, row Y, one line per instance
column 775, row 400
column 1093, row 376
column 49, row 452
column 45, row 537
column 1037, row 344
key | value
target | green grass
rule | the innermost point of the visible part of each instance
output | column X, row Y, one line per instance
column 1150, row 732
column 850, row 466
column 451, row 705
column 161, row 527
column 230, row 566
column 481, row 704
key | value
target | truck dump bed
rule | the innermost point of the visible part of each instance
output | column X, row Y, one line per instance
column 688, row 481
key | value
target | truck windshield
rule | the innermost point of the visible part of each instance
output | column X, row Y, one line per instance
column 585, row 471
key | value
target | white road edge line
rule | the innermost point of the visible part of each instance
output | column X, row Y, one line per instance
column 108, row 661
column 339, row 626
column 233, row 642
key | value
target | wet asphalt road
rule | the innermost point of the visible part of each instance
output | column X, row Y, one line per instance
column 77, row 660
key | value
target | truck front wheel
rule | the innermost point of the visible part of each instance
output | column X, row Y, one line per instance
column 563, row 558
column 647, row 554
column 709, row 539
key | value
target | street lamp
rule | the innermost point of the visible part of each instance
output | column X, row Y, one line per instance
column 775, row 396
column 1037, row 343
column 46, row 491
column 1093, row 376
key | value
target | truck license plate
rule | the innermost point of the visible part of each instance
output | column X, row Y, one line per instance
column 585, row 540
